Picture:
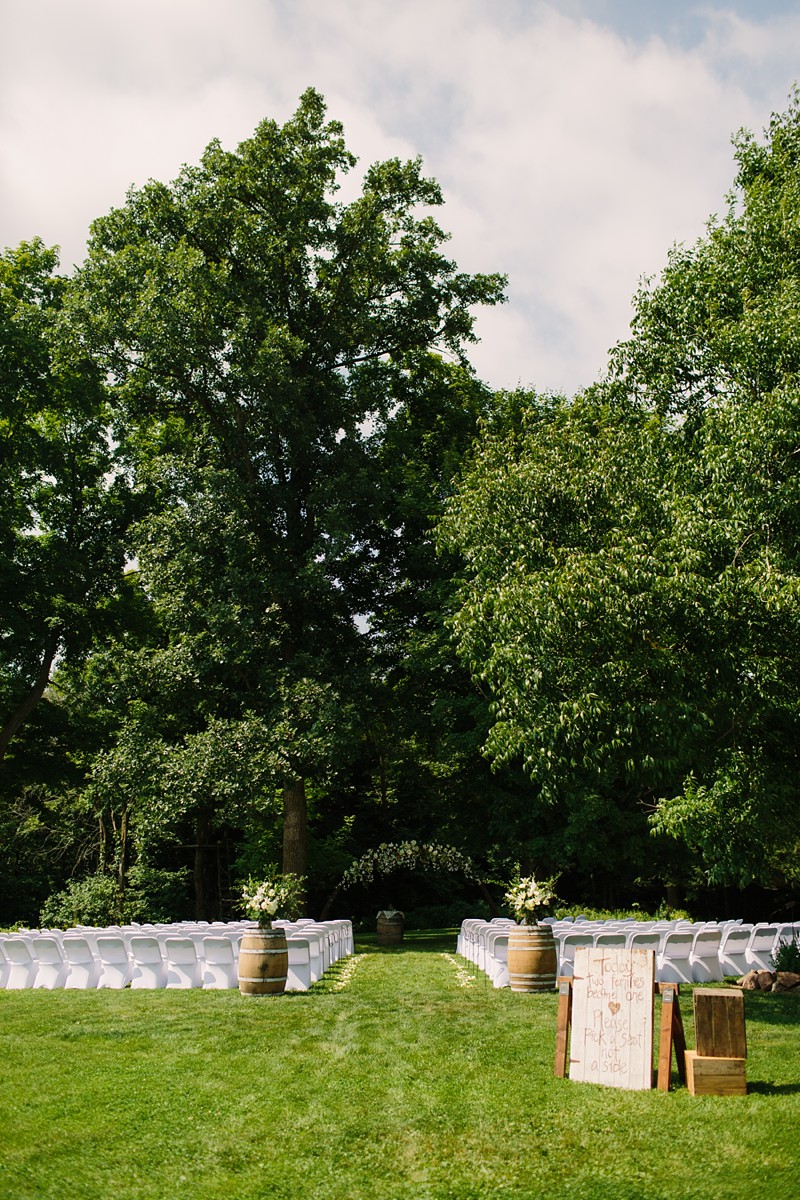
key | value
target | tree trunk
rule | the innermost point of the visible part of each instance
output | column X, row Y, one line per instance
column 202, row 904
column 487, row 895
column 328, row 905
column 124, row 852
column 24, row 710
column 295, row 828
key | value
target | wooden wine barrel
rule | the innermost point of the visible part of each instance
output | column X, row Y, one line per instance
column 263, row 962
column 532, row 961
column 390, row 930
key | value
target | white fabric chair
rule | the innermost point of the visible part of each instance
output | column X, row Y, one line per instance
column 672, row 960
column 183, row 967
column 733, row 950
column 115, row 963
column 760, row 947
column 567, row 944
column 334, row 937
column 349, row 944
column 704, row 958
column 482, row 934
column 644, row 939
column 148, row 966
column 316, row 951
column 298, row 976
column 325, row 942
column 22, row 963
column 52, row 970
column 220, row 969
column 466, row 945
column 612, row 938
column 497, row 959
column 83, row 965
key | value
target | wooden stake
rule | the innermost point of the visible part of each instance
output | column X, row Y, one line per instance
column 564, row 1019
column 671, row 1035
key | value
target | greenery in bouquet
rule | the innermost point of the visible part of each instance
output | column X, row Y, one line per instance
column 529, row 899
column 275, row 898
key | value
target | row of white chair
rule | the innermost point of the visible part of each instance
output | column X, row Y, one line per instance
column 172, row 956
column 685, row 952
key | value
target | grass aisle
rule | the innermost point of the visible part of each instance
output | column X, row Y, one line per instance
column 402, row 1076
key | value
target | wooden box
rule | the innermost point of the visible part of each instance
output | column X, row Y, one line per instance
column 708, row 1075
column 719, row 1023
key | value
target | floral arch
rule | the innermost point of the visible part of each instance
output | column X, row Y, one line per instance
column 409, row 855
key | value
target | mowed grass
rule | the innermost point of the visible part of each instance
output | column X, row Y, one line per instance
column 402, row 1075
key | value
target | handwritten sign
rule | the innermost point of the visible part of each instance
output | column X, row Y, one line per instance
column 612, row 1017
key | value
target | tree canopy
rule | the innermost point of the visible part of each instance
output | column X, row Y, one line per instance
column 630, row 592
column 262, row 340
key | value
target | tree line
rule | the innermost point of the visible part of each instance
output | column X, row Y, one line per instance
column 282, row 579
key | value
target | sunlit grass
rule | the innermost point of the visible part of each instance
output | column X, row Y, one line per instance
column 402, row 1074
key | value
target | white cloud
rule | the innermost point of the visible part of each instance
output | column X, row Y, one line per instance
column 571, row 154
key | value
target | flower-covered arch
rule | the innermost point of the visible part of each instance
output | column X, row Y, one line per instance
column 413, row 855
column 409, row 855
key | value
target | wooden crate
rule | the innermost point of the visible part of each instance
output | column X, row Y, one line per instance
column 708, row 1075
column 719, row 1023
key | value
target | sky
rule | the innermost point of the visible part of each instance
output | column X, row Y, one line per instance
column 575, row 140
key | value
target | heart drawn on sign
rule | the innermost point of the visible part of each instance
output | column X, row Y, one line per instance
column 614, row 1006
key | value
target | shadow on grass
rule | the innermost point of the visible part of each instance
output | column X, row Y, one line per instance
column 414, row 941
column 773, row 1089
column 773, row 1008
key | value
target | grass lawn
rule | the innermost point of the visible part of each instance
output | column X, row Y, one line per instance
column 401, row 1075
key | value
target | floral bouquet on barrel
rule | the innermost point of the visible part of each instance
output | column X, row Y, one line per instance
column 528, row 899
column 279, row 897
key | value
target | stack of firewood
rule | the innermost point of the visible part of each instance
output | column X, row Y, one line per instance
column 769, row 981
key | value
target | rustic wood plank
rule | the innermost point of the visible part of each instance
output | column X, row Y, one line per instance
column 715, row 1076
column 671, row 1036
column 579, row 1051
column 719, row 1023
column 562, row 1030
column 612, row 1017
column 669, row 998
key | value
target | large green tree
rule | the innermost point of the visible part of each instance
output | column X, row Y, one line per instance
column 630, row 592
column 260, row 332
column 63, row 505
column 564, row 617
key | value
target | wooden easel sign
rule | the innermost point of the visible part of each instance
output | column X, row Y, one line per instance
column 612, row 1017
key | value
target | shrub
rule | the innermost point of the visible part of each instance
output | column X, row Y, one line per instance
column 157, row 895
column 787, row 956
column 152, row 895
column 93, row 900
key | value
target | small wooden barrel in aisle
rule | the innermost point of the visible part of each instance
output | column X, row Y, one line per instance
column 263, row 962
column 390, row 927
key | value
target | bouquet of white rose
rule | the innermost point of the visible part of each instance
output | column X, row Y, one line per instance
column 268, row 898
column 529, row 899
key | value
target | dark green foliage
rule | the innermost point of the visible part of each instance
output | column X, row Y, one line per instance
column 150, row 895
column 787, row 955
column 64, row 507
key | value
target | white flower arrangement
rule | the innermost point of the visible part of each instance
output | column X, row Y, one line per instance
column 529, row 899
column 393, row 856
column 268, row 898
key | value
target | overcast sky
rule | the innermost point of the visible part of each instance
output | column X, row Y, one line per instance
column 575, row 140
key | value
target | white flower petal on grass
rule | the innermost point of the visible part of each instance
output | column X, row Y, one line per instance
column 463, row 977
column 347, row 973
